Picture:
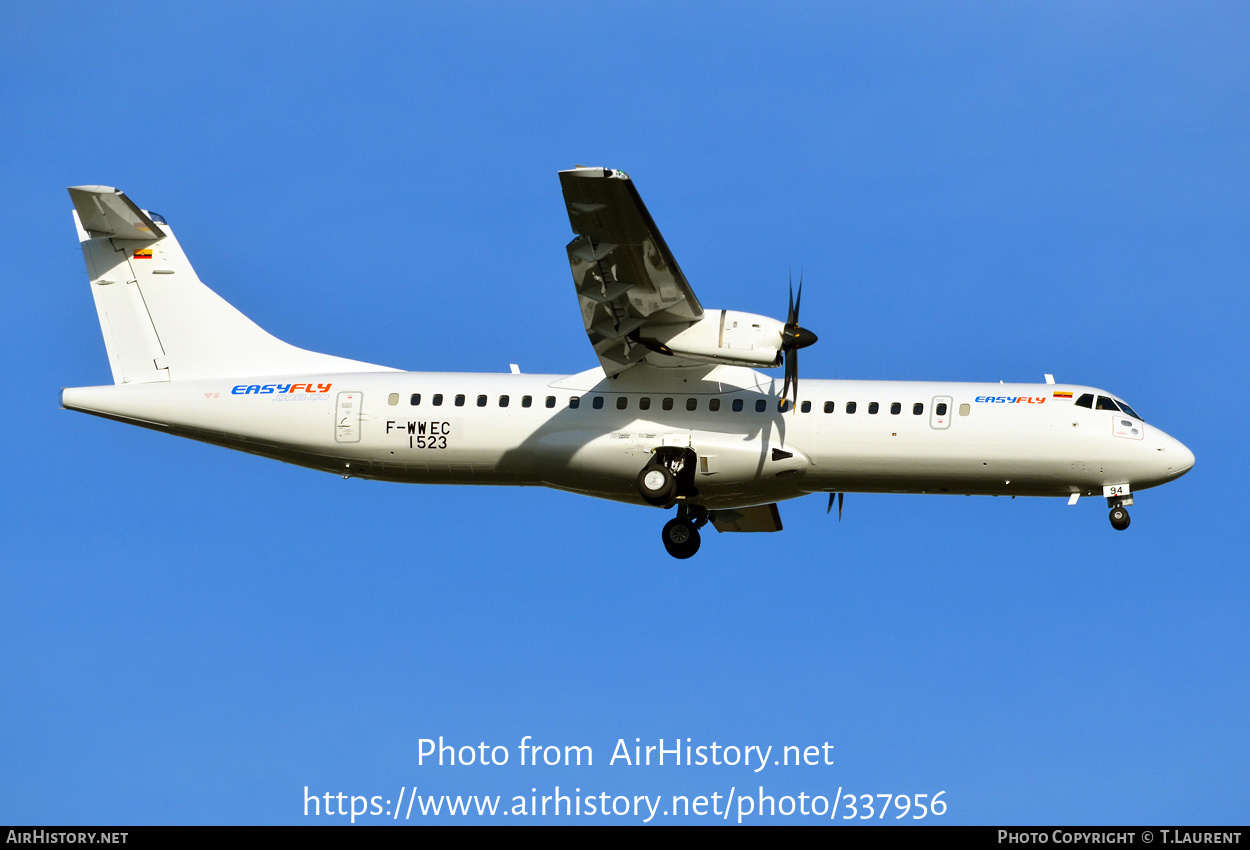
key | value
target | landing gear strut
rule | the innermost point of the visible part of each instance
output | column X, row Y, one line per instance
column 681, row 534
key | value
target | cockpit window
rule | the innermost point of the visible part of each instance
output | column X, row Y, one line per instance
column 1105, row 403
column 1086, row 400
column 1130, row 411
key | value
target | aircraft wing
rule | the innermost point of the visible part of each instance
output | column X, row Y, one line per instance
column 623, row 271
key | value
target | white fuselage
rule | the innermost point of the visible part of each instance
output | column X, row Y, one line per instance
column 464, row 428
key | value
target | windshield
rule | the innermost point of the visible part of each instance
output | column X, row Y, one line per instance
column 1130, row 411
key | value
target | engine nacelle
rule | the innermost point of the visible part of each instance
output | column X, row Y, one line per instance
column 722, row 337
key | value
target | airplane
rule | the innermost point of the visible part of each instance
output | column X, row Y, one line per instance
column 677, row 414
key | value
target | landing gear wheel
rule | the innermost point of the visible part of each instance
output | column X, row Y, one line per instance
column 1119, row 519
column 656, row 484
column 681, row 538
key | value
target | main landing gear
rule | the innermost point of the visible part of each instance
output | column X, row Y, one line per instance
column 668, row 476
column 657, row 484
column 681, row 534
column 667, row 480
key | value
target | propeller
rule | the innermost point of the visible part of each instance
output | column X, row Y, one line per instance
column 793, row 338
column 828, row 509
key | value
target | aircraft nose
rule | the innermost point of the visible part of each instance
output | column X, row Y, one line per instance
column 1174, row 458
column 1185, row 458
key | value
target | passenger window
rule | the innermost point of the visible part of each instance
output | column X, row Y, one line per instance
column 503, row 401
column 597, row 402
column 713, row 405
column 692, row 404
column 1105, row 403
column 760, row 406
column 850, row 407
column 667, row 404
column 574, row 401
column 806, row 407
column 392, row 399
column 829, row 407
column 415, row 400
column 965, row 409
column 941, row 408
column 481, row 401
column 644, row 403
column 438, row 399
column 622, row 402
column 873, row 407
column 896, row 408
column 737, row 405
column 917, row 409
column 783, row 404
column 460, row 401
column 527, row 400
column 551, row 401
column 1086, row 400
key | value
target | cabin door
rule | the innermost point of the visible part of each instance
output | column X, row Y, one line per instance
column 347, row 417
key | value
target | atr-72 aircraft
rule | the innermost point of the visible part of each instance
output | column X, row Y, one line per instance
column 677, row 414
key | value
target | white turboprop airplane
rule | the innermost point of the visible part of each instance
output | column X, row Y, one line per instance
column 676, row 415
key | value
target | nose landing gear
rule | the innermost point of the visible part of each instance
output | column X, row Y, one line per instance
column 1118, row 504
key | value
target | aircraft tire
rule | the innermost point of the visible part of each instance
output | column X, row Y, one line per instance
column 656, row 484
column 681, row 538
column 1119, row 519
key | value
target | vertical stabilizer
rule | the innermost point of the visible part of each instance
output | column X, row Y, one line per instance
column 160, row 322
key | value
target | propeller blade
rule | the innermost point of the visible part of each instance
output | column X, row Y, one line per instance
column 793, row 338
column 840, row 495
column 792, row 367
column 830, row 507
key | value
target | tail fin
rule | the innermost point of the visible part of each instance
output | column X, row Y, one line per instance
column 160, row 322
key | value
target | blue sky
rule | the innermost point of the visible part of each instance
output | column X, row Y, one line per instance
column 974, row 192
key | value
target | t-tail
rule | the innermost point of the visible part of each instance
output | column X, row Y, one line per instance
column 160, row 322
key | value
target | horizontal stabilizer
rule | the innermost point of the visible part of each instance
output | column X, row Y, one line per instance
column 104, row 211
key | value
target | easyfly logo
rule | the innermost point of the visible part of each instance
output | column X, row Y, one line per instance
column 1010, row 399
column 269, row 389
